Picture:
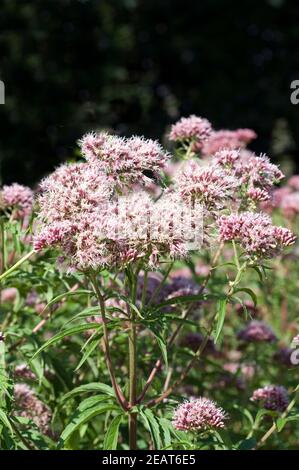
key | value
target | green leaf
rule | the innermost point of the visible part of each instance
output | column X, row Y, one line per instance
column 66, row 294
column 4, row 420
column 153, row 427
column 163, row 347
column 280, row 423
column 88, row 351
column 249, row 292
column 166, row 427
column 89, row 388
column 111, row 436
column 247, row 444
column 83, row 416
column 67, row 332
column 220, row 318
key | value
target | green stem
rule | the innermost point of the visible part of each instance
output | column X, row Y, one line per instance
column 118, row 393
column 133, row 369
column 236, row 255
column 273, row 427
column 158, row 289
column 3, row 251
column 17, row 264
column 202, row 346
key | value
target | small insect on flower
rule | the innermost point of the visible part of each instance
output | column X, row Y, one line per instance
column 198, row 415
column 124, row 160
column 272, row 397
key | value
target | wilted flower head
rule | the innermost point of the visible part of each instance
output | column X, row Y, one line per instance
column 255, row 233
column 210, row 185
column 198, row 414
column 228, row 140
column 256, row 332
column 273, row 397
column 17, row 199
column 29, row 406
column 193, row 128
column 123, row 160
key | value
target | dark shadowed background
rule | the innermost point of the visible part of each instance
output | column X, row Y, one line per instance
column 136, row 66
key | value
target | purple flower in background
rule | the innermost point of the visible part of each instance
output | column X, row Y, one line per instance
column 272, row 397
column 256, row 332
column 17, row 199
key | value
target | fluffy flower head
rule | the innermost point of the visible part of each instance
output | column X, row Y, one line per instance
column 198, row 414
column 193, row 128
column 17, row 198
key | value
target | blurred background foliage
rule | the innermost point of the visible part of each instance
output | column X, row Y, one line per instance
column 136, row 66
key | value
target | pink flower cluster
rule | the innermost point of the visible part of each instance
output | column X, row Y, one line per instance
column 24, row 372
column 123, row 160
column 273, row 397
column 228, row 140
column 286, row 198
column 191, row 129
column 210, row 185
column 80, row 215
column 16, row 199
column 255, row 174
column 198, row 415
column 29, row 406
column 255, row 233
column 257, row 332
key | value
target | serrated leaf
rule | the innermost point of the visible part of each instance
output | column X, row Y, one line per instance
column 111, row 436
column 88, row 388
column 249, row 292
column 88, row 351
column 67, row 332
column 5, row 421
column 66, row 294
column 166, row 427
column 83, row 416
column 153, row 427
column 220, row 318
